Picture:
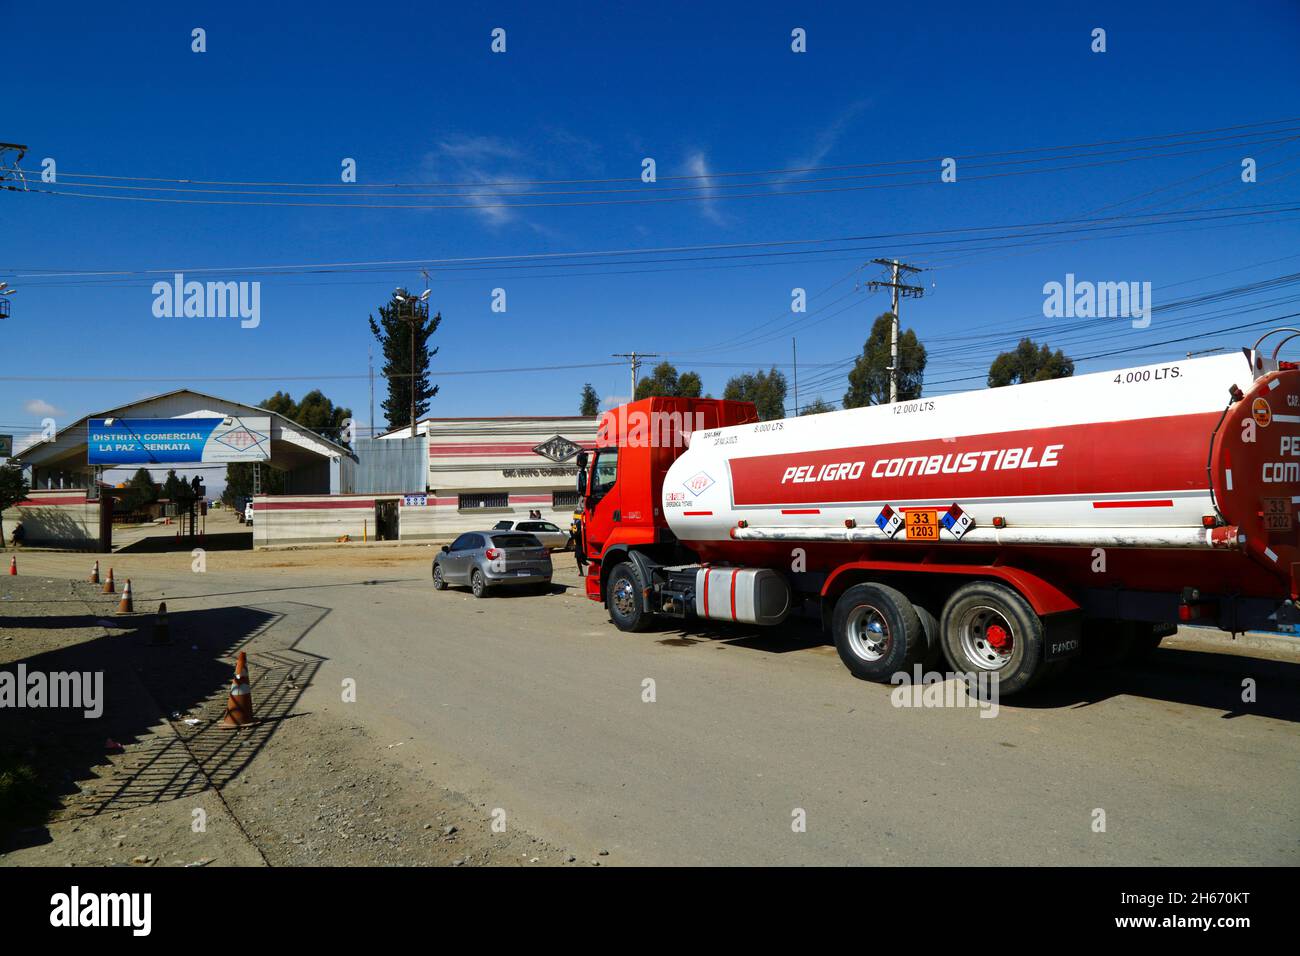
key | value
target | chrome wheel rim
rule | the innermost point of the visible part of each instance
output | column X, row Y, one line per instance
column 437, row 574
column 477, row 583
column 868, row 633
column 987, row 638
column 623, row 597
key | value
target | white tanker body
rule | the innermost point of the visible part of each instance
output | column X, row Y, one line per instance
column 1003, row 526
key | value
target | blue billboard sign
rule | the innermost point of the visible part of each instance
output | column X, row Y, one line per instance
column 161, row 441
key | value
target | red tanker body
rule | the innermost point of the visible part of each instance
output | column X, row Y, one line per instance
column 1002, row 528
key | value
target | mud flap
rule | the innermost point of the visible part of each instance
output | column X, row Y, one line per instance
column 1062, row 636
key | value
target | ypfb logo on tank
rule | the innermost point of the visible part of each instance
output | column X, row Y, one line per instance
column 1262, row 412
column 698, row 483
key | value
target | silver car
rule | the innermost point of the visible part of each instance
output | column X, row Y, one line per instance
column 552, row 536
column 490, row 559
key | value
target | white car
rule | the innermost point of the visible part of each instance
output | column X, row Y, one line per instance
column 553, row 537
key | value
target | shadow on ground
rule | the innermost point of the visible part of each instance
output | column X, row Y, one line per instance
column 141, row 751
column 159, row 544
column 1172, row 674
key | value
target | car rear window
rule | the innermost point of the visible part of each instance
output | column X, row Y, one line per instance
column 515, row 541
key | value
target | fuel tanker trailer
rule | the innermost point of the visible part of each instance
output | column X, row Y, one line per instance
column 1003, row 529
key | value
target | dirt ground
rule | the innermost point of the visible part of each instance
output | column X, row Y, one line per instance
column 156, row 782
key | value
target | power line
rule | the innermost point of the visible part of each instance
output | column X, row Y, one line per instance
column 711, row 196
column 556, row 260
column 716, row 175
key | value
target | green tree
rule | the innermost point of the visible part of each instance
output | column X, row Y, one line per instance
column 590, row 406
column 815, row 408
column 392, row 331
column 664, row 381
column 140, row 490
column 765, row 389
column 316, row 411
column 1029, row 362
column 13, row 489
column 869, row 378
column 171, row 487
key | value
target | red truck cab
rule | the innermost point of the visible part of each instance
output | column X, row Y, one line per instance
column 622, row 480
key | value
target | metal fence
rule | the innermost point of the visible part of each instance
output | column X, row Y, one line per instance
column 386, row 465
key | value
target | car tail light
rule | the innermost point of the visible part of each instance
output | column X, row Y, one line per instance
column 493, row 554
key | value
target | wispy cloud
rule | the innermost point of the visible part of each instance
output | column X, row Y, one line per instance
column 823, row 143
column 697, row 164
column 479, row 162
column 39, row 406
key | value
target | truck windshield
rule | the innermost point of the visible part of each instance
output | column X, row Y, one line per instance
column 606, row 471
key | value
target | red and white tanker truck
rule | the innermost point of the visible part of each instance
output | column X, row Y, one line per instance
column 1000, row 528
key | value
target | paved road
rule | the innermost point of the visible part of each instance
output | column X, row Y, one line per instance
column 535, row 705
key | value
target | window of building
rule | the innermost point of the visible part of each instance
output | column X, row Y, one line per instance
column 481, row 501
column 565, row 499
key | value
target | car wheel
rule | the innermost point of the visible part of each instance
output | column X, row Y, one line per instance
column 439, row 583
column 478, row 584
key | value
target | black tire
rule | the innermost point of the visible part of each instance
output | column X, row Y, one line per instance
column 867, row 610
column 933, row 657
column 478, row 584
column 439, row 582
column 1014, row 652
column 624, row 599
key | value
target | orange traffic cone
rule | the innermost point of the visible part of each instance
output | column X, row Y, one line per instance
column 13, row 565
column 125, row 606
column 160, row 632
column 239, row 706
column 94, row 575
column 108, row 583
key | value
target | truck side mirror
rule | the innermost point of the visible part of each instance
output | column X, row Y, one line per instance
column 582, row 482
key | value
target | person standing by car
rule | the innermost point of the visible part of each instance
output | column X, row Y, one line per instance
column 579, row 552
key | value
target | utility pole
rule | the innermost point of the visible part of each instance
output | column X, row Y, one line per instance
column 635, row 358
column 370, row 370
column 794, row 357
column 914, row 291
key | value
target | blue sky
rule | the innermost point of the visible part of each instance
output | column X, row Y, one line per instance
column 584, row 92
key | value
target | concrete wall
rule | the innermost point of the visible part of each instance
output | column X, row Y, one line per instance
column 62, row 519
column 440, row 520
column 303, row 519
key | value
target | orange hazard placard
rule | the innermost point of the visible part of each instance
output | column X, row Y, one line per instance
column 922, row 524
column 1277, row 514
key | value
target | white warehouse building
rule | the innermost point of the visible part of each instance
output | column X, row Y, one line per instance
column 476, row 472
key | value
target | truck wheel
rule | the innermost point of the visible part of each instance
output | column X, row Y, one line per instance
column 877, row 632
column 933, row 655
column 989, row 628
column 439, row 582
column 478, row 584
column 624, row 600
